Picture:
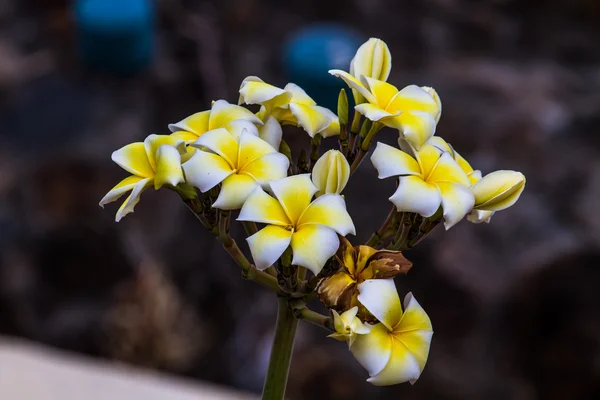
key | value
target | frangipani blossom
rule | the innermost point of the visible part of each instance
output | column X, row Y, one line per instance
column 331, row 173
column 431, row 179
column 413, row 110
column 348, row 326
column 290, row 105
column 396, row 349
column 372, row 59
column 241, row 165
column 311, row 228
column 154, row 162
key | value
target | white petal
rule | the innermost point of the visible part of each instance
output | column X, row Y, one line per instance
column 373, row 350
column 260, row 207
column 415, row 195
column 196, row 123
column 220, row 142
column 235, row 128
column 457, row 201
column 328, row 210
column 206, row 170
column 251, row 148
column 133, row 159
column 373, row 112
column 234, row 192
column 401, row 367
column 353, row 83
column 380, row 297
column 268, row 244
column 133, row 199
column 299, row 96
column 222, row 113
column 120, row 189
column 168, row 167
column 390, row 161
column 313, row 245
column 310, row 118
column 271, row 132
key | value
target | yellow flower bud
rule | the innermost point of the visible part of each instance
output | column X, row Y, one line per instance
column 498, row 190
column 373, row 59
column 331, row 173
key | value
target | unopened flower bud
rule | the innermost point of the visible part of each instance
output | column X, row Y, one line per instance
column 331, row 173
column 498, row 190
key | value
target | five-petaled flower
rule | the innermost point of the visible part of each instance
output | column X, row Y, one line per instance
column 396, row 349
column 154, row 162
column 311, row 228
column 430, row 179
column 239, row 164
column 348, row 326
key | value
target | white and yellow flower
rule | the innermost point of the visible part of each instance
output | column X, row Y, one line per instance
column 331, row 173
column 239, row 164
column 290, row 105
column 372, row 59
column 396, row 349
column 430, row 179
column 348, row 326
column 311, row 228
column 154, row 162
column 412, row 110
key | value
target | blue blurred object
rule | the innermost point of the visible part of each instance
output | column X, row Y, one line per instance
column 314, row 50
column 115, row 36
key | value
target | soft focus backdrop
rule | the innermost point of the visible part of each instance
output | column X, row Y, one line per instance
column 514, row 304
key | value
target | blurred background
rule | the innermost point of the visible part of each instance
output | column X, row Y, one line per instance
column 514, row 304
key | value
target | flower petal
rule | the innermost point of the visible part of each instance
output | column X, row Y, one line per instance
column 447, row 170
column 401, row 367
column 333, row 129
column 479, row 216
column 294, row 193
column 380, row 297
column 437, row 100
column 235, row 128
column 120, row 189
column 372, row 59
column 153, row 142
column 313, row 245
column 187, row 137
column 250, row 148
column 417, row 127
column 373, row 350
column 271, row 132
column 260, row 207
column 390, row 161
column 255, row 91
column 310, row 118
column 206, row 170
column 168, row 167
column 414, row 317
column 328, row 210
column 234, row 192
column 133, row 159
column 374, row 112
column 382, row 91
column 133, row 199
column 415, row 195
column 222, row 112
column 196, row 123
column 414, row 98
column 268, row 244
column 269, row 167
column 222, row 143
column 299, row 96
column 331, row 172
column 353, row 83
column 457, row 201
column 498, row 190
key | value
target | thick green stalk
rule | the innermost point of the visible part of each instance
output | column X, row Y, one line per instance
column 281, row 352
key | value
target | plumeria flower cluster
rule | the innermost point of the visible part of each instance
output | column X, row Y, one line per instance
column 231, row 163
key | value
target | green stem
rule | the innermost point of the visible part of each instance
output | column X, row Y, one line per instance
column 382, row 233
column 315, row 318
column 281, row 352
column 314, row 151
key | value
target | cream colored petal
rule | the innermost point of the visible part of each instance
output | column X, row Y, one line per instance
column 413, row 98
column 313, row 245
column 255, row 91
column 348, row 316
column 417, row 127
column 333, row 129
column 271, row 132
column 354, row 84
column 447, row 170
column 382, row 91
column 299, row 96
column 134, row 198
column 373, row 350
column 474, row 176
column 260, row 207
column 380, row 297
column 251, row 148
column 222, row 143
column 222, row 113
column 331, row 172
column 187, row 137
column 479, row 216
column 196, row 123
column 234, row 192
column 235, row 128
column 457, row 201
column 133, row 159
column 168, row 167
column 268, row 244
column 328, row 210
column 437, row 100
column 415, row 195
column 294, row 193
column 498, row 190
column 310, row 118
column 374, row 112
column 390, row 161
column 269, row 167
column 120, row 189
column 153, row 142
column 359, row 327
column 402, row 367
column 372, row 59
column 206, row 170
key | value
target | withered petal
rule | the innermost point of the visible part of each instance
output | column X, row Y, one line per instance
column 387, row 264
